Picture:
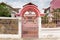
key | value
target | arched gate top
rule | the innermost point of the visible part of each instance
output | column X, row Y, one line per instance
column 30, row 7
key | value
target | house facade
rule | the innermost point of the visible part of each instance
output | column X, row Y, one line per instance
column 54, row 9
column 55, row 4
column 12, row 11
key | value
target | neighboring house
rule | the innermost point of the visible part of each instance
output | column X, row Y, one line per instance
column 17, row 9
column 54, row 4
column 47, row 10
column 54, row 9
column 13, row 10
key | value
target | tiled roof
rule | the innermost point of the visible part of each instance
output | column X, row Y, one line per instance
column 14, row 9
column 30, row 4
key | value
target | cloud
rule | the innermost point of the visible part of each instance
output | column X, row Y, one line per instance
column 19, row 3
column 1, row 0
column 16, row 4
column 40, row 3
column 44, row 4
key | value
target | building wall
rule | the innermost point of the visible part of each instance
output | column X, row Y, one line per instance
column 55, row 4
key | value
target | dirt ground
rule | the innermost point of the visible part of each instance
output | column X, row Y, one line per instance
column 30, row 39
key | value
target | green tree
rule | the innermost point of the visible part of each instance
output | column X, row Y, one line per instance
column 4, row 11
column 45, row 19
column 56, row 13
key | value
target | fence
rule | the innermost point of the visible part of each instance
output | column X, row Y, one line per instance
column 54, row 24
column 9, row 27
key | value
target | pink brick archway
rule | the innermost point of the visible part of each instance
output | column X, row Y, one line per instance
column 26, row 32
column 32, row 8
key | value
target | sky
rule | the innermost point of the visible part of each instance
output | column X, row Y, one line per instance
column 19, row 3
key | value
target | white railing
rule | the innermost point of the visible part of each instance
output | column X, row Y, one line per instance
column 50, row 31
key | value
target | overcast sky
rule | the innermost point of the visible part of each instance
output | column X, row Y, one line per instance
column 19, row 3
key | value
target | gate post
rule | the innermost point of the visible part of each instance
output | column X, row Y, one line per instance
column 20, row 27
column 39, row 27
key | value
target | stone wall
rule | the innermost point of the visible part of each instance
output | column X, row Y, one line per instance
column 8, row 26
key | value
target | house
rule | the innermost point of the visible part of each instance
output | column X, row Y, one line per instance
column 54, row 9
column 47, row 10
column 54, row 4
column 13, row 11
